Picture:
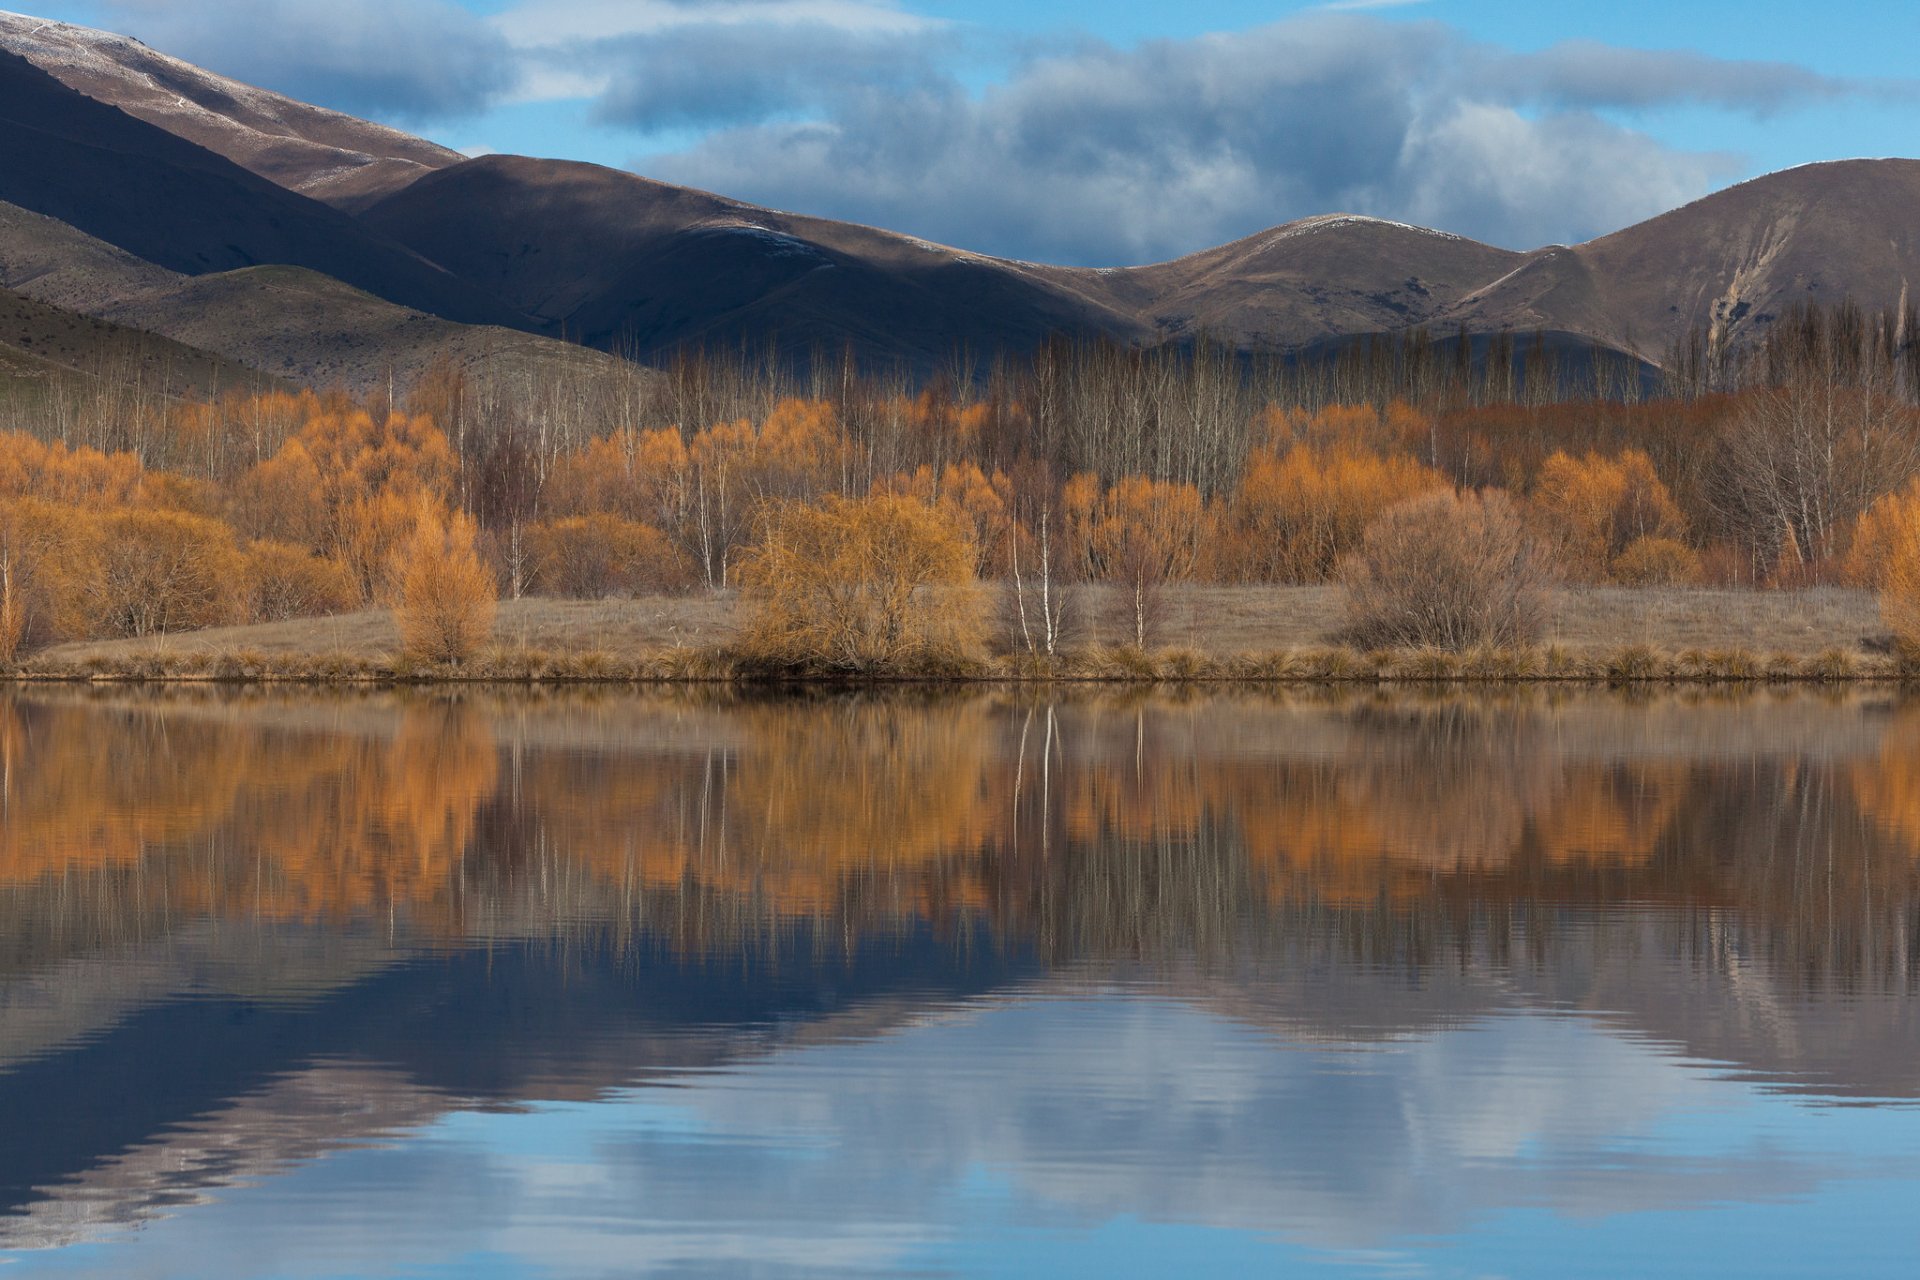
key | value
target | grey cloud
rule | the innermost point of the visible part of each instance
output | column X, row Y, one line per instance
column 706, row 74
column 1101, row 156
column 1586, row 74
column 403, row 59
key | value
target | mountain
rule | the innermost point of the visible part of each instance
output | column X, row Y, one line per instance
column 1729, row 263
column 618, row 261
column 615, row 260
column 286, row 322
column 43, row 347
column 331, row 157
column 180, row 206
column 203, row 176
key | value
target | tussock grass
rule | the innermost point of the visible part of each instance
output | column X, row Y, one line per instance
column 1275, row 636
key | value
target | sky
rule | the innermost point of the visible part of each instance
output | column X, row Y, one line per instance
column 1107, row 132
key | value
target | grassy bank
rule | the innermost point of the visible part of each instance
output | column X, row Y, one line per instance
column 1207, row 633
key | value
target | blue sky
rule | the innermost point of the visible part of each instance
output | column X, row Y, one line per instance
column 1107, row 132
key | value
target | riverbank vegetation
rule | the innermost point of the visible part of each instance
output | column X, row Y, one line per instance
column 1042, row 520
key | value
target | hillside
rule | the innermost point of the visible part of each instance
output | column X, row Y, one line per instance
column 324, row 154
column 42, row 345
column 618, row 262
column 286, row 322
column 182, row 207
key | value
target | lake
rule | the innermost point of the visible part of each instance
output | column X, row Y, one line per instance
column 1532, row 982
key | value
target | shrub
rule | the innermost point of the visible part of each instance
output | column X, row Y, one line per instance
column 1446, row 571
column 443, row 594
column 1886, row 553
column 861, row 585
column 594, row 556
column 49, row 556
column 1657, row 562
column 284, row 581
column 162, row 571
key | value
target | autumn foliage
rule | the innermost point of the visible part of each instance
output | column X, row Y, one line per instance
column 1089, row 485
column 443, row 595
column 861, row 585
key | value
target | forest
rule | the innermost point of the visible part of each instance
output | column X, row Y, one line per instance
column 872, row 517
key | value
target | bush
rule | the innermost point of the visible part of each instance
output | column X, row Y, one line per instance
column 1446, row 571
column 1657, row 562
column 444, row 597
column 162, row 571
column 874, row 585
column 284, row 581
column 594, row 556
column 49, row 560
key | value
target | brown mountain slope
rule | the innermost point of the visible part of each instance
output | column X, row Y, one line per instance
column 323, row 154
column 46, row 344
column 1303, row 282
column 284, row 321
column 618, row 261
column 182, row 207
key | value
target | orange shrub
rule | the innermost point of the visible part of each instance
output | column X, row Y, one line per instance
column 49, row 557
column 1295, row 514
column 861, row 585
column 1657, row 562
column 1593, row 507
column 284, row 581
column 444, row 598
column 1886, row 552
column 162, row 571
column 595, row 556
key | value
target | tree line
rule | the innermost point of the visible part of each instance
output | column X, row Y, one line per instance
column 1086, row 463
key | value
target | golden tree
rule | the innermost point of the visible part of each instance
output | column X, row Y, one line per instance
column 444, row 596
column 1295, row 514
column 286, row 581
column 1593, row 508
column 1886, row 553
column 595, row 556
column 164, row 571
column 861, row 585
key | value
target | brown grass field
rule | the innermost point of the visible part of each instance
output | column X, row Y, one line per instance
column 1219, row 623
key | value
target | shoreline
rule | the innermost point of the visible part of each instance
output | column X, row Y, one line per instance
column 1546, row 665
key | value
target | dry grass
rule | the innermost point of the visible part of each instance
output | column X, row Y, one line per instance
column 1211, row 633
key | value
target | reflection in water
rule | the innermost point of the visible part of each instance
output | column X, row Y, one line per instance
column 950, row 980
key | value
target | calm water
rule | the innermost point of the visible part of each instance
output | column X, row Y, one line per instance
column 508, row 984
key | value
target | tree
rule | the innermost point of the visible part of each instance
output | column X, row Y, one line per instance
column 596, row 556
column 444, row 598
column 1594, row 507
column 162, row 571
column 49, row 555
column 284, row 581
column 1886, row 554
column 1296, row 513
column 1141, row 534
column 1449, row 571
column 861, row 585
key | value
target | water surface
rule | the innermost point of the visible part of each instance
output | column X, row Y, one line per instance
column 605, row 984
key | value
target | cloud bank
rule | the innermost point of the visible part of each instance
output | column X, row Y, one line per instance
column 1079, row 152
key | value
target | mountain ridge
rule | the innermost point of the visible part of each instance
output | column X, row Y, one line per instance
column 618, row 261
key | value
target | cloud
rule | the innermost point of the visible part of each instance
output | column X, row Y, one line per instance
column 731, row 73
column 1074, row 152
column 1107, row 156
column 409, row 60
column 1586, row 74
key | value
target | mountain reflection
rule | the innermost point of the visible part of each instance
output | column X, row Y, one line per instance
column 294, row 923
